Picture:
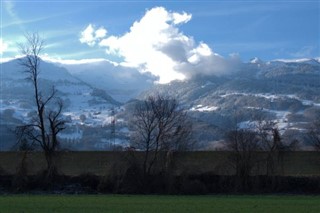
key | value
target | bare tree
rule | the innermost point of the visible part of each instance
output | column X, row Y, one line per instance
column 243, row 144
column 314, row 133
column 271, row 142
column 159, row 125
column 48, row 122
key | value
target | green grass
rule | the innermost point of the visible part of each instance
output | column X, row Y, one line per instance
column 138, row 203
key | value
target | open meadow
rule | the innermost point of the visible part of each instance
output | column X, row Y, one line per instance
column 154, row 203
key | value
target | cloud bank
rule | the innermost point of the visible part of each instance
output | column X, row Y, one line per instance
column 155, row 44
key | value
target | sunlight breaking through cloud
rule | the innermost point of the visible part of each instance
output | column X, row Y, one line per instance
column 155, row 44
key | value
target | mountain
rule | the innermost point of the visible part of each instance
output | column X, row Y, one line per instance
column 256, row 60
column 84, row 105
column 122, row 83
column 286, row 92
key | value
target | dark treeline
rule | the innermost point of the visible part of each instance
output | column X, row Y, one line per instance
column 174, row 173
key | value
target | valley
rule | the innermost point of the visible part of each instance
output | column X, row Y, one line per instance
column 99, row 95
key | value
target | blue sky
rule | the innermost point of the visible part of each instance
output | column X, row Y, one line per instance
column 265, row 29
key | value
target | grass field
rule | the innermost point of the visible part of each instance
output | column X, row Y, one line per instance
column 138, row 203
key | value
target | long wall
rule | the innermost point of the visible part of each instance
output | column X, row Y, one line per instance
column 102, row 163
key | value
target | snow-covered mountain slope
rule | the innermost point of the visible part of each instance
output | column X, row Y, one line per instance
column 285, row 92
column 84, row 105
column 280, row 90
column 122, row 83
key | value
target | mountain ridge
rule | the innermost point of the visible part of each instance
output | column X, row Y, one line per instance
column 286, row 92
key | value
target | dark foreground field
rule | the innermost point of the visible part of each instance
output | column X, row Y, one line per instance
column 300, row 163
column 138, row 203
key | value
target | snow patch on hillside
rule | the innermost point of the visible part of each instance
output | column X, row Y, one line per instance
column 201, row 108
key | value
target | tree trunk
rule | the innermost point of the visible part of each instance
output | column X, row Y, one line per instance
column 51, row 170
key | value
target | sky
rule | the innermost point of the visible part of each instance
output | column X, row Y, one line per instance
column 171, row 39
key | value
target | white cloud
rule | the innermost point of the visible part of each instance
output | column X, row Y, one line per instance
column 87, row 36
column 46, row 57
column 213, row 64
column 181, row 18
column 155, row 44
column 91, row 36
column 3, row 46
column 101, row 33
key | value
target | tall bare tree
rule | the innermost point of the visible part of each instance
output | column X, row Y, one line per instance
column 271, row 142
column 48, row 122
column 159, row 125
